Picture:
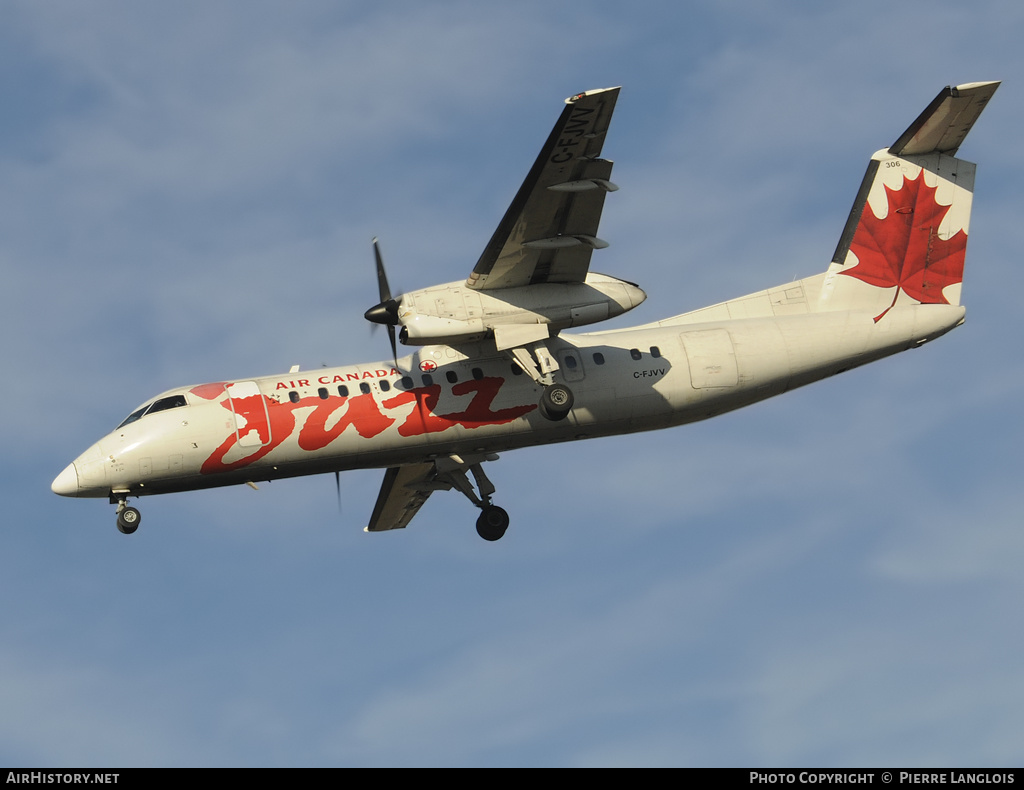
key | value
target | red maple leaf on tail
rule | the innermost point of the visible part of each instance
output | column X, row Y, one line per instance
column 903, row 250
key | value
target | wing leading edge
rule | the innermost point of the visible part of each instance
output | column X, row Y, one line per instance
column 550, row 230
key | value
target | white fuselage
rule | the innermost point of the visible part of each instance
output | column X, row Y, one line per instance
column 492, row 371
column 331, row 419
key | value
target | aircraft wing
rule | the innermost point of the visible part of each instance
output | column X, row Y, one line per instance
column 550, row 230
column 402, row 494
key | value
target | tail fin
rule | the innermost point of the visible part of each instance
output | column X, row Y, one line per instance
column 906, row 236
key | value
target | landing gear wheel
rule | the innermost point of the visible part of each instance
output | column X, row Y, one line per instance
column 492, row 523
column 556, row 402
column 128, row 520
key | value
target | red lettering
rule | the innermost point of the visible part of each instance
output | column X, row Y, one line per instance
column 479, row 410
column 275, row 421
column 282, row 423
column 360, row 410
column 423, row 420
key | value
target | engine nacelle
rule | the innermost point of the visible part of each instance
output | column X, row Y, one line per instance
column 456, row 313
column 422, row 330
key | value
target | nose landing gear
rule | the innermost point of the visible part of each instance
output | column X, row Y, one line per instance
column 128, row 518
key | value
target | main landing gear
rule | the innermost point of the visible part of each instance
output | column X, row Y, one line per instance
column 128, row 518
column 450, row 473
column 540, row 364
column 556, row 402
column 492, row 522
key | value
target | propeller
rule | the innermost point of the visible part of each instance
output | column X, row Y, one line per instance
column 386, row 312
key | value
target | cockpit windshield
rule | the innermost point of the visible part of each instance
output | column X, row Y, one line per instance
column 162, row 404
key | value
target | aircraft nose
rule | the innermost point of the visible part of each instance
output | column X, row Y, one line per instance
column 66, row 483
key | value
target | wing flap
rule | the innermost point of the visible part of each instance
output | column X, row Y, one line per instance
column 550, row 230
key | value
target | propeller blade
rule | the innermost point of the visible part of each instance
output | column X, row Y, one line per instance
column 394, row 347
column 386, row 312
column 382, row 277
column 337, row 486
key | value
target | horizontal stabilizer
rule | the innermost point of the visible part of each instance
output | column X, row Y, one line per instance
column 942, row 127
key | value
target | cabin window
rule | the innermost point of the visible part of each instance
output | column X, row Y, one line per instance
column 598, row 358
column 293, row 396
column 322, row 392
column 407, row 382
column 478, row 374
column 343, row 390
column 570, row 362
column 635, row 353
column 385, row 385
column 655, row 352
column 517, row 371
column 451, row 376
column 428, row 380
column 364, row 388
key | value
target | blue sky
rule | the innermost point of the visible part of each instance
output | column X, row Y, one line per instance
column 188, row 192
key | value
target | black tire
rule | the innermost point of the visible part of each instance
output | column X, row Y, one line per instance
column 556, row 402
column 492, row 523
column 128, row 520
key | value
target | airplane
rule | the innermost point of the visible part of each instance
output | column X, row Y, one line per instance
column 492, row 367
